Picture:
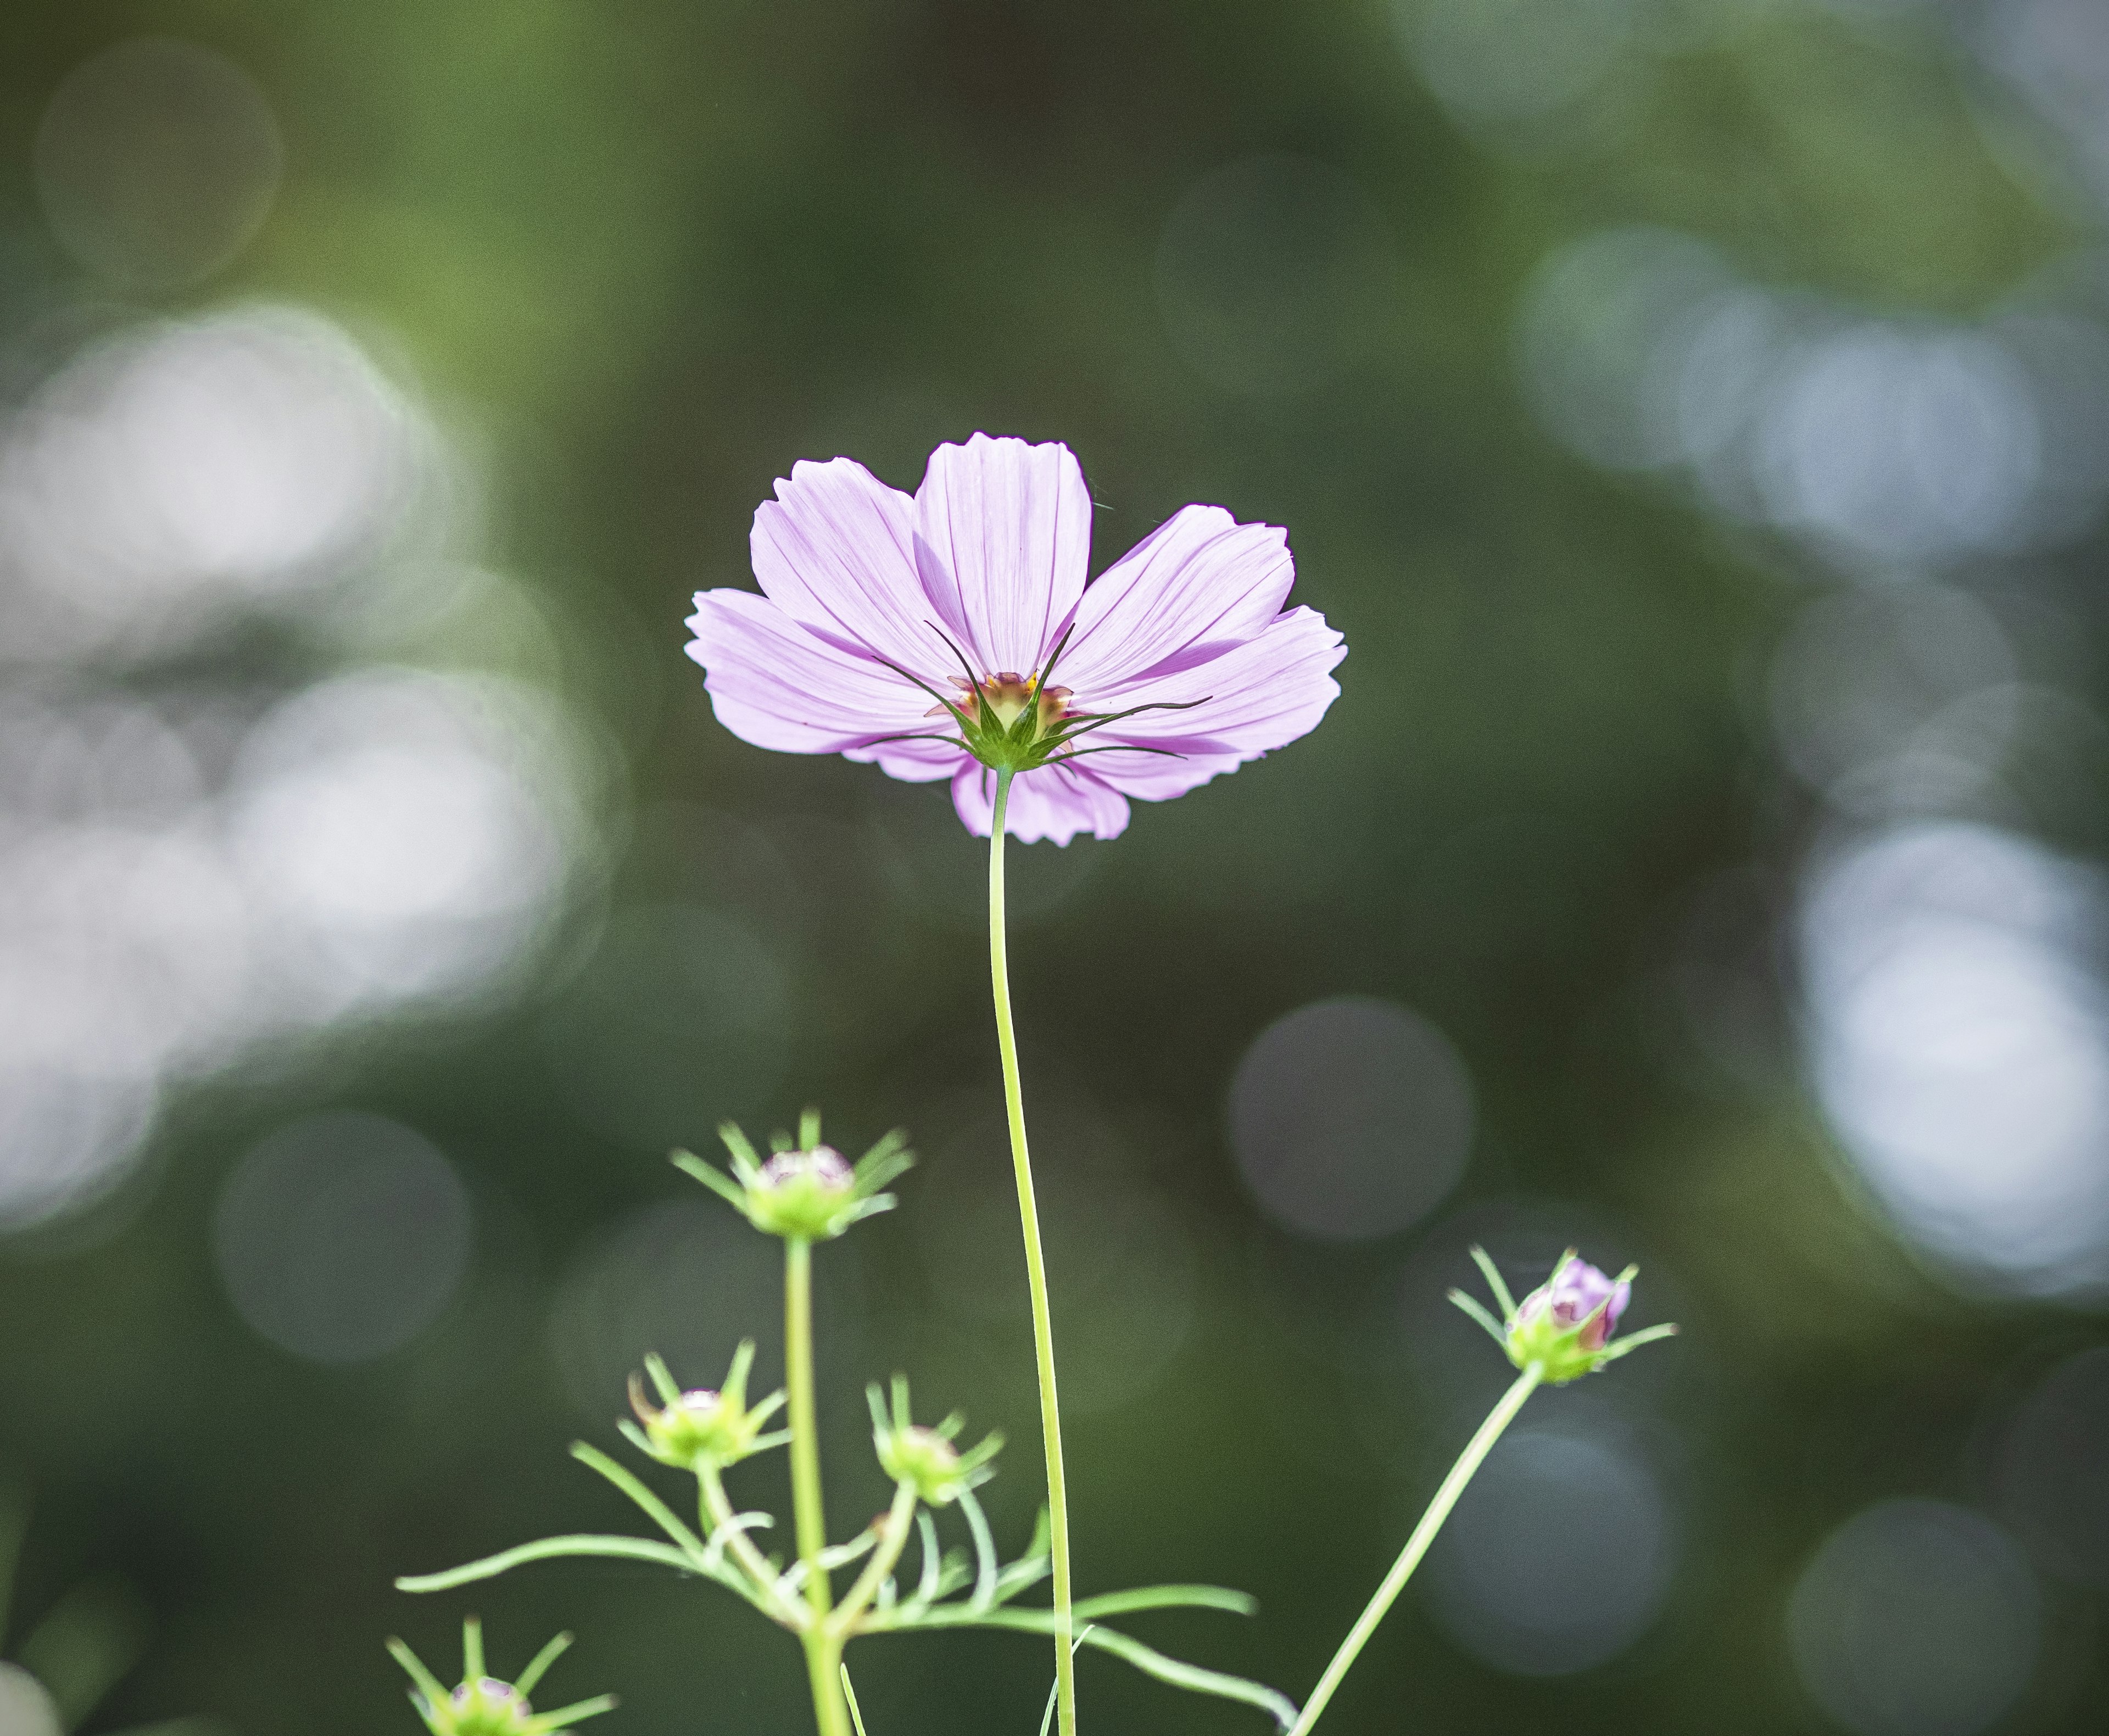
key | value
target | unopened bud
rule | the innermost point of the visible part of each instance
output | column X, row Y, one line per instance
column 483, row 1705
column 1563, row 1327
column 701, row 1428
column 925, row 1457
column 806, row 1191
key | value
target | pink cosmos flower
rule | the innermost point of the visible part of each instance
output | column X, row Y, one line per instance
column 1178, row 663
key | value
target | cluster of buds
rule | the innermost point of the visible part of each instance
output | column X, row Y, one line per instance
column 701, row 1429
column 924, row 1458
column 483, row 1706
column 1563, row 1327
column 804, row 1191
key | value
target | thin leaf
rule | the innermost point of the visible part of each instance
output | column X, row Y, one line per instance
column 1485, row 1263
column 1191, row 1677
column 1620, row 1347
column 548, row 1548
column 524, row 1682
column 984, row 1597
column 1164, row 1597
column 849, row 1693
column 652, row 1507
column 1472, row 1307
column 576, row 1712
column 413, row 1667
column 926, row 1532
column 688, row 1163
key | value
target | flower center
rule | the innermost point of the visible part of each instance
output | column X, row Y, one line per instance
column 1002, row 699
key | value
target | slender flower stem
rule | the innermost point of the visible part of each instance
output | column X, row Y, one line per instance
column 893, row 1538
column 1036, row 1272
column 1423, row 1533
column 823, row 1649
column 718, row 1522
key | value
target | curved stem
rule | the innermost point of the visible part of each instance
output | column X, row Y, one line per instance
column 1036, row 1272
column 1423, row 1533
column 823, row 1650
column 893, row 1540
column 720, row 1521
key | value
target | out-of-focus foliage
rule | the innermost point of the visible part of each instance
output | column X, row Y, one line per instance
column 1694, row 412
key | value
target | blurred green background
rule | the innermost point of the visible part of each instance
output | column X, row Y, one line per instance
column 1694, row 414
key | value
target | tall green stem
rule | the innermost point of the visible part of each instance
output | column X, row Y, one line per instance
column 1036, row 1272
column 824, row 1650
column 1423, row 1533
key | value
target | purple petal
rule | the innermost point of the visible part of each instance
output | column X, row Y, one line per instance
column 1003, row 537
column 1198, row 584
column 775, row 684
column 835, row 550
column 1055, row 802
column 1254, row 697
column 1149, row 777
column 914, row 762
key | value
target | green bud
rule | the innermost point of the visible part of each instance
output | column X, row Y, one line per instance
column 483, row 1705
column 926, row 1457
column 1563, row 1326
column 698, row 1429
column 805, row 1192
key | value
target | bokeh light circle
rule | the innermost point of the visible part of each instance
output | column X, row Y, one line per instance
column 2053, row 1470
column 26, row 1709
column 1510, row 62
column 687, row 1278
column 1351, row 1119
column 1916, row 1618
column 1961, row 1049
column 181, row 469
column 342, row 1236
column 156, row 161
column 1558, row 1557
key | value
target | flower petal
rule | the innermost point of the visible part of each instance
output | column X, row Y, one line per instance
column 835, row 550
column 1002, row 541
column 1252, row 698
column 774, row 683
column 1198, row 584
column 1051, row 801
column 915, row 762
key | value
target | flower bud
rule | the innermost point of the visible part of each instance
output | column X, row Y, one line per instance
column 487, row 1707
column 483, row 1706
column 922, row 1457
column 700, row 1429
column 925, row 1457
column 1563, row 1326
column 1576, row 1300
column 805, row 1192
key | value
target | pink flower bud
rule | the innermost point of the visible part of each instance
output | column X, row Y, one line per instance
column 1579, row 1292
